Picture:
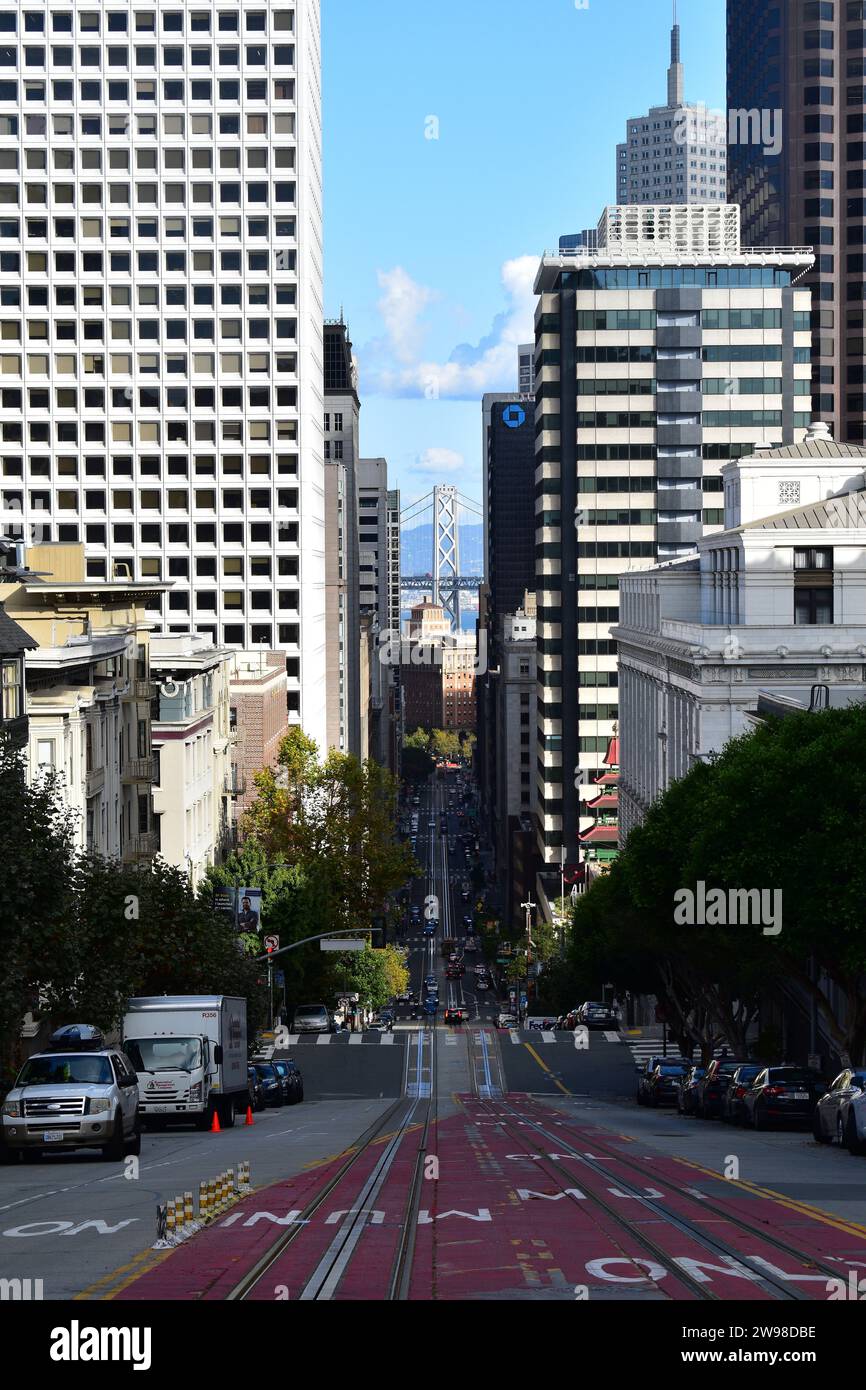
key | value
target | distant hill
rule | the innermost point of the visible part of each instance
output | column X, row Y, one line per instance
column 416, row 549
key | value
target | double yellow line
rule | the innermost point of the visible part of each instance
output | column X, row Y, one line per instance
column 851, row 1228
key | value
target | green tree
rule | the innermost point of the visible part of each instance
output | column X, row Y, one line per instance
column 336, row 822
column 445, row 745
column 35, row 872
column 416, row 764
column 420, row 739
column 374, row 975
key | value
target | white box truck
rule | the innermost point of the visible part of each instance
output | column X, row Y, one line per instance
column 190, row 1053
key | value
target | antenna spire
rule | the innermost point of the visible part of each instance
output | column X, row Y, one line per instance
column 676, row 77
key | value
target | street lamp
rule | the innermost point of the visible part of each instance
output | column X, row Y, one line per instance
column 528, row 908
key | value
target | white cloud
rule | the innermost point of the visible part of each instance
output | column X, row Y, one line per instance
column 401, row 306
column 438, row 462
column 394, row 366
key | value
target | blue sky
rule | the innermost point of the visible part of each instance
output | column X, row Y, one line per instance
column 432, row 243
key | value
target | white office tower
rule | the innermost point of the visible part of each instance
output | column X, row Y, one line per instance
column 161, row 292
column 662, row 354
column 676, row 153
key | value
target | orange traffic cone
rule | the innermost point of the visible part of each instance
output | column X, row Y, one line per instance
column 215, row 1127
column 249, row 1120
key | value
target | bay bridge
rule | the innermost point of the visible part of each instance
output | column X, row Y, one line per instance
column 445, row 510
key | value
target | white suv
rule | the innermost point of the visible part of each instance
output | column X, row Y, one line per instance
column 75, row 1094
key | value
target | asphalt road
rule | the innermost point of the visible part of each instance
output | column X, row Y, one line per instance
column 75, row 1222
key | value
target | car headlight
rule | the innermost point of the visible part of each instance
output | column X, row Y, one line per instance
column 99, row 1107
column 12, row 1108
column 195, row 1092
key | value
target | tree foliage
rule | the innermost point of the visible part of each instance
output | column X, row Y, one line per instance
column 782, row 809
column 85, row 934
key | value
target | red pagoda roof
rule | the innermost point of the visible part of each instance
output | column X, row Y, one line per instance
column 608, row 801
column 600, row 835
column 607, row 779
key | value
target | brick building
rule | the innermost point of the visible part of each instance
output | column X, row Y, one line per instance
column 258, row 720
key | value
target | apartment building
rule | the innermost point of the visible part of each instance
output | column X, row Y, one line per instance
column 660, row 356
column 341, row 427
column 161, row 321
column 192, row 749
column 89, row 696
column 257, row 724
column 378, row 545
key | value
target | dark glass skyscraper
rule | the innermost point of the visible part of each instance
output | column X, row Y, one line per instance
column 796, row 140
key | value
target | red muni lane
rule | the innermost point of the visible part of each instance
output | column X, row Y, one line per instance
column 505, row 1211
column 514, row 1213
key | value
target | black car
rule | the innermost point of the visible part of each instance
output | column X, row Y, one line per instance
column 733, row 1107
column 663, row 1083
column 646, row 1069
column 711, row 1091
column 272, row 1084
column 595, row 1015
column 293, row 1082
column 783, row 1096
column 687, row 1090
column 256, row 1089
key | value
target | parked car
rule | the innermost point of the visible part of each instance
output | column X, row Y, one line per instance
column 711, row 1090
column 733, row 1109
column 507, row 1020
column 854, row 1133
column 831, row 1112
column 646, row 1069
column 287, row 1081
column 256, row 1089
column 291, row 1076
column 783, row 1095
column 595, row 1015
column 663, row 1083
column 273, row 1089
column 313, row 1018
column 687, row 1090
column 78, row 1092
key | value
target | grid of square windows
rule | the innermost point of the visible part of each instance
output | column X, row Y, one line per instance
column 149, row 327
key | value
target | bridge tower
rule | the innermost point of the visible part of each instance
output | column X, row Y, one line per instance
column 446, row 552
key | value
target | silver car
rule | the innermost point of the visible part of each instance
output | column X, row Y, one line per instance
column 841, row 1114
column 312, row 1018
column 75, row 1094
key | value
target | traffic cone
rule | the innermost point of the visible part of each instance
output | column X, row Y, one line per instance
column 215, row 1126
column 249, row 1120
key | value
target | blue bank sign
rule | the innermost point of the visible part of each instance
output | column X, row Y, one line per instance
column 513, row 416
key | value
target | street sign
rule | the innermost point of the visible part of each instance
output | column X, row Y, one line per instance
column 349, row 943
column 279, row 978
column 523, row 1001
column 272, row 943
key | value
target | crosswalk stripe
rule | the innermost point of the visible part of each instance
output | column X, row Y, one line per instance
column 548, row 1037
column 355, row 1039
column 386, row 1038
column 323, row 1039
column 612, row 1037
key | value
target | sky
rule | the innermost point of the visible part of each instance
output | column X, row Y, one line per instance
column 462, row 138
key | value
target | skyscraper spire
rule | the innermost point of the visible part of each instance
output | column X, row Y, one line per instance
column 676, row 77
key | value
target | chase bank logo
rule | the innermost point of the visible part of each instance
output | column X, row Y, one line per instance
column 513, row 416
